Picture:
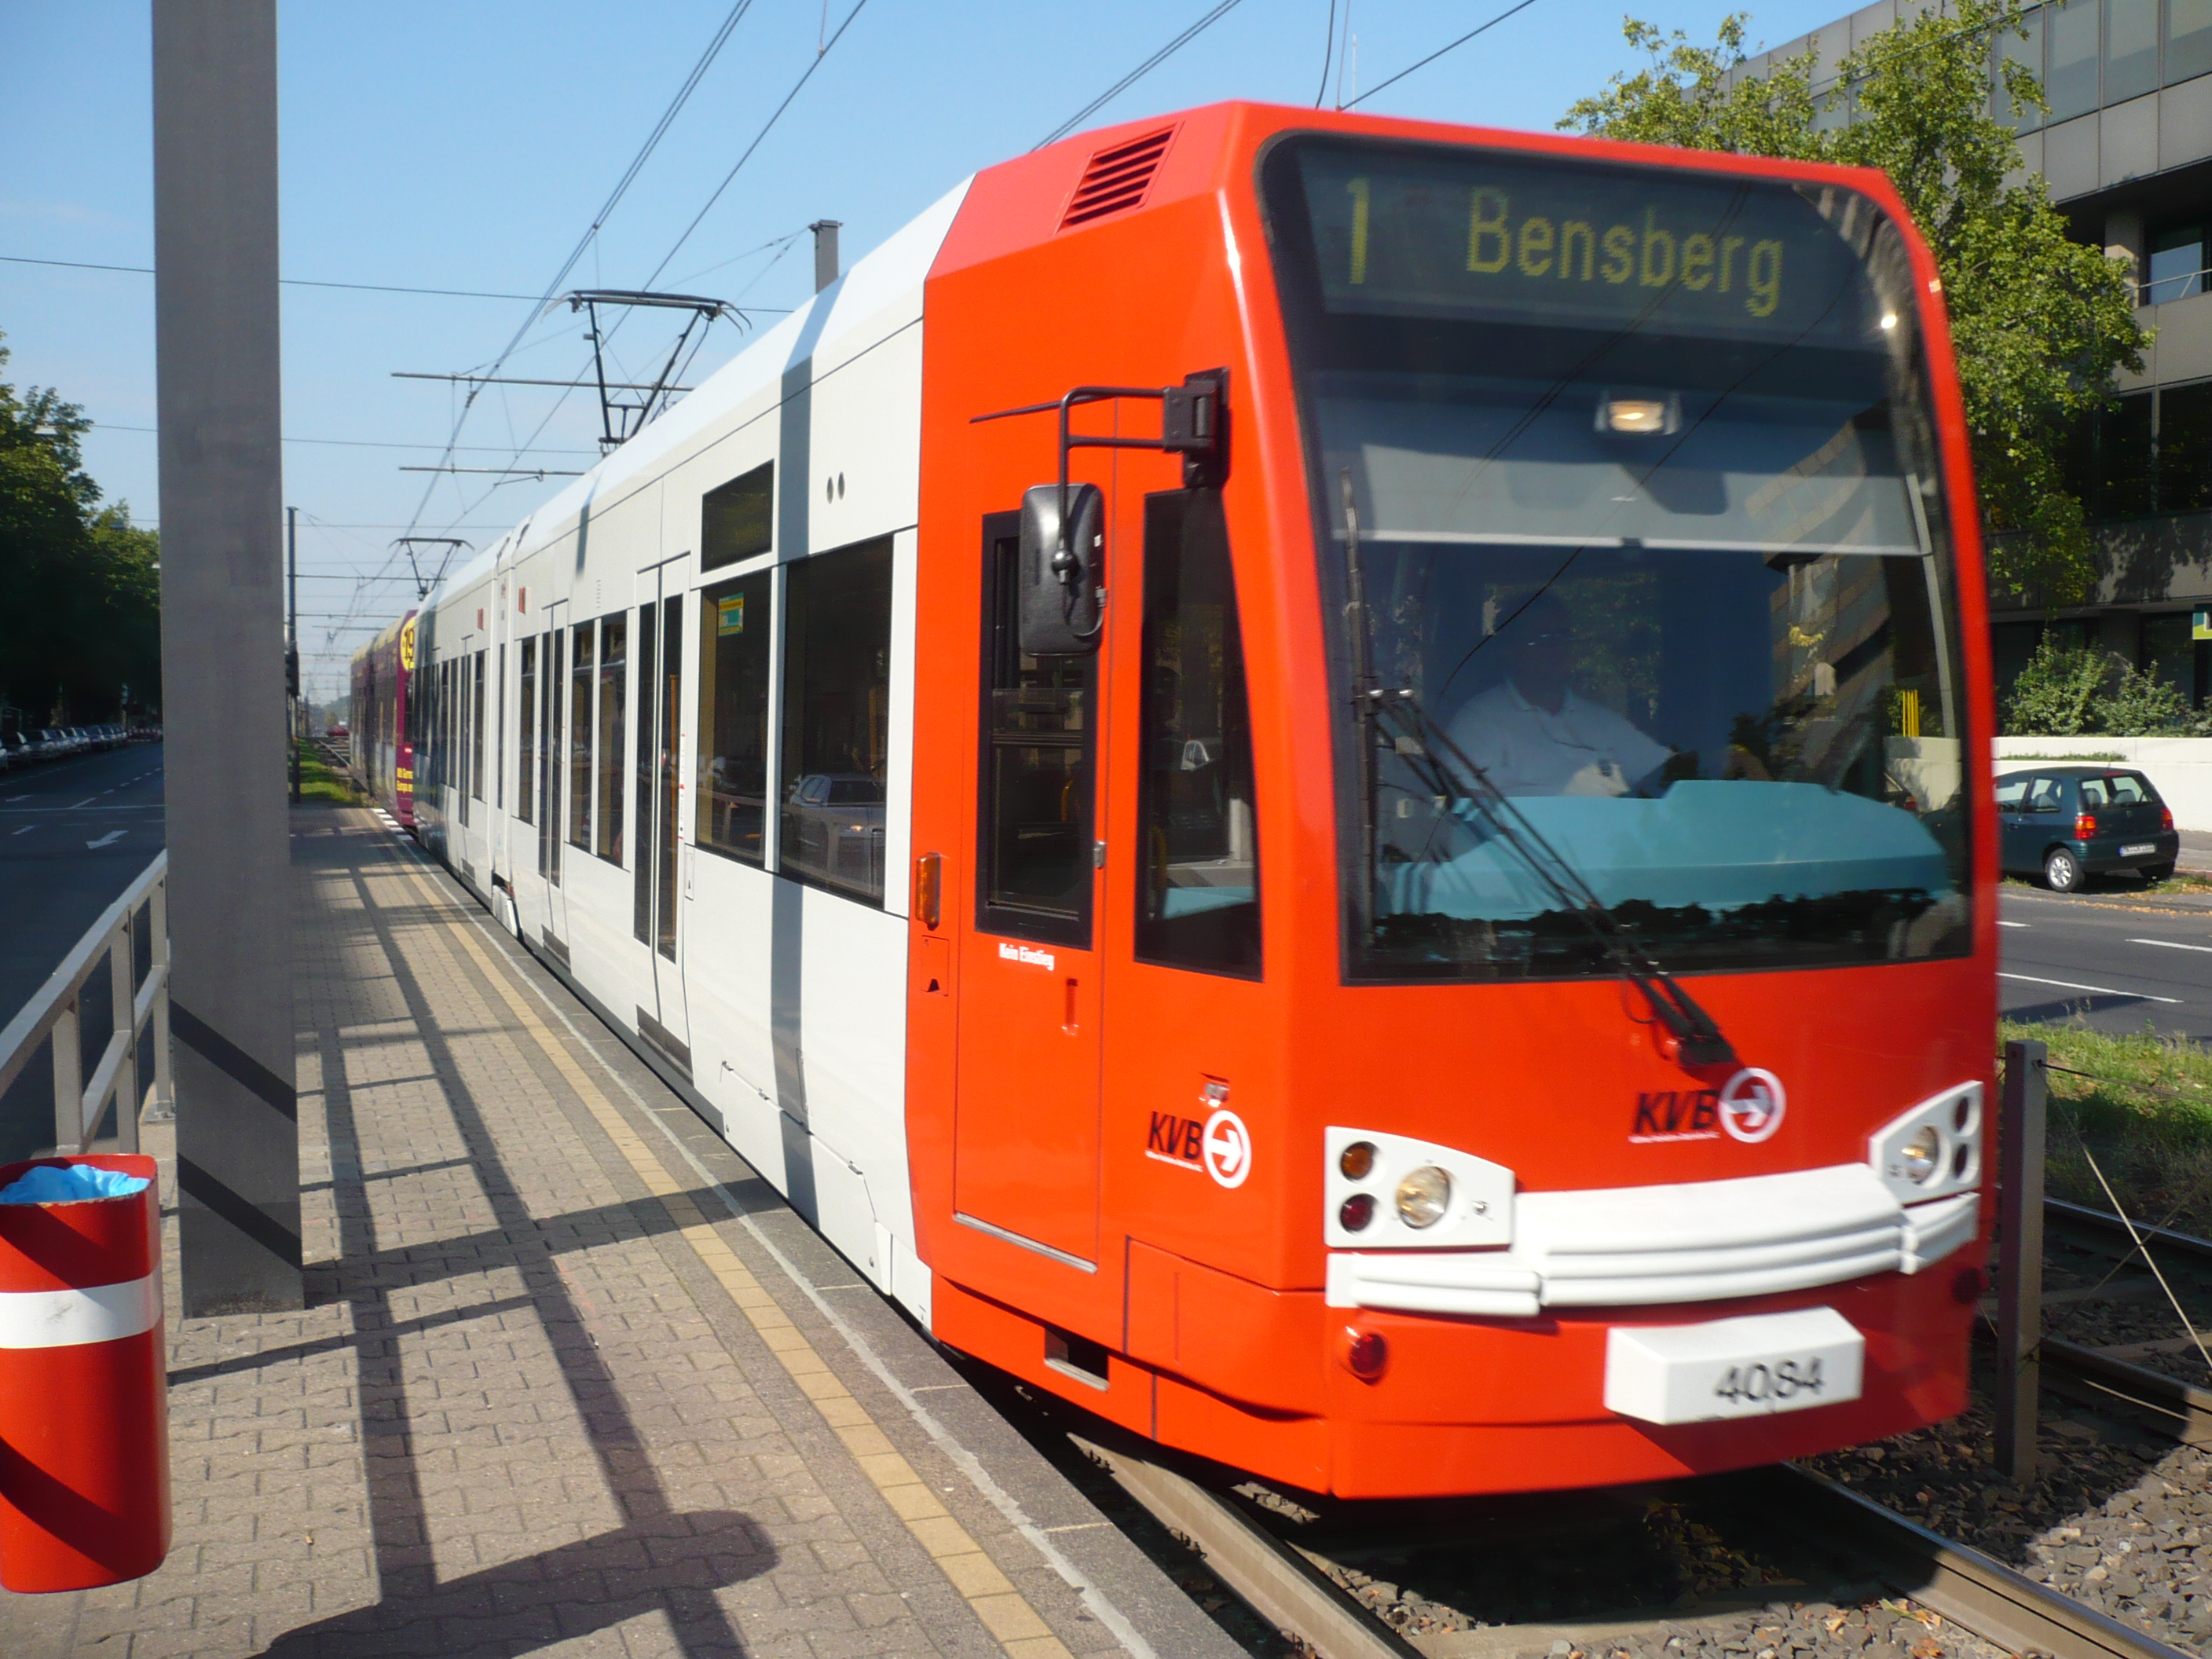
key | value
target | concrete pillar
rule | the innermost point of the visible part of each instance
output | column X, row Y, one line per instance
column 222, row 653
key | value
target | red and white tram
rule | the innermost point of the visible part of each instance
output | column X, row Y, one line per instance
column 381, row 731
column 1307, row 778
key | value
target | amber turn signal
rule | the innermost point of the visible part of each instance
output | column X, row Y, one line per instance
column 928, row 886
column 1356, row 1161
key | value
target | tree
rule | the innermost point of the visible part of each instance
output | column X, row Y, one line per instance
column 82, row 614
column 2041, row 324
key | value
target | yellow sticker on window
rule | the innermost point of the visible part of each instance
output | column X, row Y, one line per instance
column 730, row 614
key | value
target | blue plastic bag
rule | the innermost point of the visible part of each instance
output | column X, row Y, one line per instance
column 70, row 1183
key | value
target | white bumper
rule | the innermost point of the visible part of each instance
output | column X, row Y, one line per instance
column 1692, row 1241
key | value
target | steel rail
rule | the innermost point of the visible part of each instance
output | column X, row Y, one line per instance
column 1270, row 1576
column 2176, row 1409
column 2168, row 1404
column 2100, row 1221
column 1971, row 1589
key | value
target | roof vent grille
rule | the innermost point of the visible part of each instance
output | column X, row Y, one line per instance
column 1116, row 179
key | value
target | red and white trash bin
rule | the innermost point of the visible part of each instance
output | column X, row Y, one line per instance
column 84, row 1408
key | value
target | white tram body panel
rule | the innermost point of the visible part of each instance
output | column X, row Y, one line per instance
column 782, row 1012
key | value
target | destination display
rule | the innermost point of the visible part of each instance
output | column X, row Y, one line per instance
column 1405, row 233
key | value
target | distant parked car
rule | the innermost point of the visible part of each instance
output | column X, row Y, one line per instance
column 2066, row 823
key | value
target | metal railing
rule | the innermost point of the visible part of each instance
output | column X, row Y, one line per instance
column 54, row 1015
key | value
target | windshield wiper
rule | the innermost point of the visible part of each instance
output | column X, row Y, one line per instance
column 1424, row 747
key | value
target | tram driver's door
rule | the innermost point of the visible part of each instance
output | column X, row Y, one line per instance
column 1026, row 1137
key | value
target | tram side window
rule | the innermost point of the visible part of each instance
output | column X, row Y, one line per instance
column 837, row 720
column 476, row 725
column 526, row 734
column 735, row 641
column 1037, row 757
column 579, row 736
column 1198, row 903
column 614, row 671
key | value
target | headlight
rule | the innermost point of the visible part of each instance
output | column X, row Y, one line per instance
column 1423, row 1196
column 1920, row 1155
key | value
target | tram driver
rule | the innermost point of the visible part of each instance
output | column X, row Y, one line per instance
column 1534, row 736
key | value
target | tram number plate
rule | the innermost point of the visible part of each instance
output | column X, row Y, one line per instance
column 2136, row 848
column 1750, row 1367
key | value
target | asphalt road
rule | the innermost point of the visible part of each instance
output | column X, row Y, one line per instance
column 2117, row 961
column 73, row 836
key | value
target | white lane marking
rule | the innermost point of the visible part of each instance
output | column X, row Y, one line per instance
column 2012, row 924
column 112, row 836
column 12, row 799
column 87, row 801
column 2098, row 990
column 2172, row 945
column 27, row 828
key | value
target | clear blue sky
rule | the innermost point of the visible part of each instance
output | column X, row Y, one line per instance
column 467, row 145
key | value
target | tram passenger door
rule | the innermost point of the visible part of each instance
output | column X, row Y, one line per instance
column 1026, row 1123
column 658, row 786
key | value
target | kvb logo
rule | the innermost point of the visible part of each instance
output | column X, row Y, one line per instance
column 1676, row 1114
column 1748, row 1108
column 1752, row 1105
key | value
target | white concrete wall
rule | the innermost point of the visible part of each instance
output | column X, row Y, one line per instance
column 2180, row 767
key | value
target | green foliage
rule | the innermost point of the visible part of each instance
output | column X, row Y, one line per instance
column 2067, row 693
column 2055, row 693
column 2142, row 705
column 2040, row 324
column 82, row 614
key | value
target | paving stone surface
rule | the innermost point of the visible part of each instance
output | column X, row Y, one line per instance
column 523, row 1411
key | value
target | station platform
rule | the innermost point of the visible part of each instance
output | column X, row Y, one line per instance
column 571, row 1379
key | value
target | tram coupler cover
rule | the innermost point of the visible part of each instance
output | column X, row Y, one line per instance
column 84, row 1398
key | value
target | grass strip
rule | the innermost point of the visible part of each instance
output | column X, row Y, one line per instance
column 322, row 784
column 2141, row 1104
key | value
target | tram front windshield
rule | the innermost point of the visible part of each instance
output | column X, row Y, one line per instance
column 1626, row 485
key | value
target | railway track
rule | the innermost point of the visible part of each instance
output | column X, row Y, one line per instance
column 1861, row 1542
column 1292, row 1588
column 2179, row 1409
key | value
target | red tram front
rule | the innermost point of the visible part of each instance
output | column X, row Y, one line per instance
column 1450, row 948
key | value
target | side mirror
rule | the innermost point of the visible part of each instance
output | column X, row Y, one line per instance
column 1061, row 574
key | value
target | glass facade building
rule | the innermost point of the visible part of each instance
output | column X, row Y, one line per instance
column 2126, row 148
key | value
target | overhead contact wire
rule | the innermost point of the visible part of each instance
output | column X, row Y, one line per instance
column 769, row 126
column 1438, row 52
column 1140, row 72
column 598, row 219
